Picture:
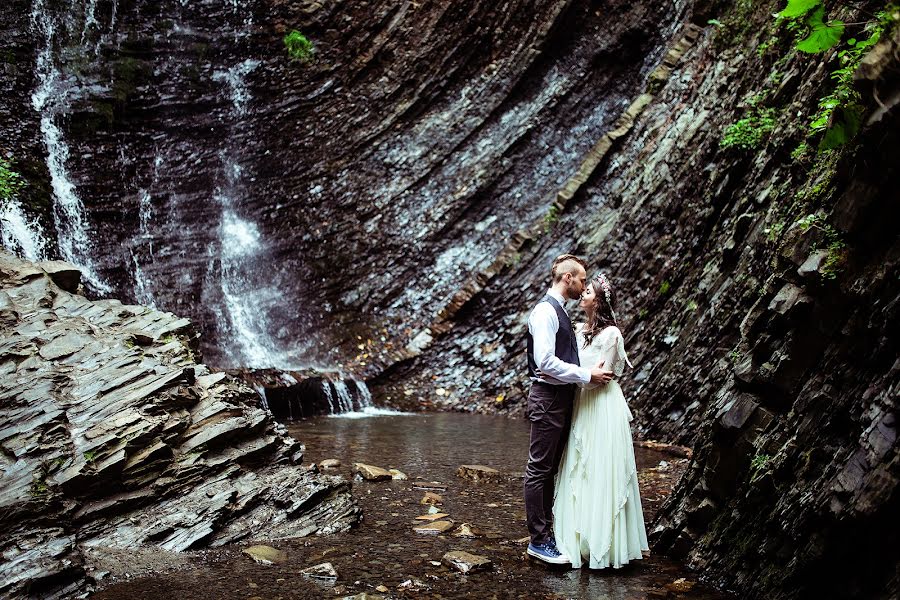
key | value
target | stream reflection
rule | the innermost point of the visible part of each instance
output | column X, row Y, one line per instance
column 429, row 448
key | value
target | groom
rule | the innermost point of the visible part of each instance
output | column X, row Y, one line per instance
column 554, row 370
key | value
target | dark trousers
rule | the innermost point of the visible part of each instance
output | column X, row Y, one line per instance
column 550, row 412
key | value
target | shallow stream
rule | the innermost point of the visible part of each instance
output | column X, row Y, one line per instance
column 385, row 550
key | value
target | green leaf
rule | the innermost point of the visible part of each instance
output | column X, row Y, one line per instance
column 822, row 35
column 798, row 8
column 871, row 41
column 834, row 137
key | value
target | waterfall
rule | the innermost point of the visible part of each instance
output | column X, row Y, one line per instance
column 243, row 257
column 345, row 406
column 345, row 401
column 20, row 233
column 326, row 389
column 143, row 292
column 363, row 394
column 49, row 99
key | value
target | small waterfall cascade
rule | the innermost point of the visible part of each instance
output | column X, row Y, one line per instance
column 20, row 233
column 143, row 290
column 240, row 264
column 341, row 398
column 293, row 395
column 50, row 101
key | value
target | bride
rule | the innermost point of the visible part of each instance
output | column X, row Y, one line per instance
column 597, row 506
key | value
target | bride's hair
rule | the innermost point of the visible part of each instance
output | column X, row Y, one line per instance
column 604, row 311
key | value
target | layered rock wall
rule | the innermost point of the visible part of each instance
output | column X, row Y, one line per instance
column 112, row 435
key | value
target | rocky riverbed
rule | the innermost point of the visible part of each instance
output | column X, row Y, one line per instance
column 434, row 528
column 115, row 438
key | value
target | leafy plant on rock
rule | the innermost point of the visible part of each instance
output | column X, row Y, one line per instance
column 10, row 181
column 839, row 114
column 750, row 132
column 298, row 46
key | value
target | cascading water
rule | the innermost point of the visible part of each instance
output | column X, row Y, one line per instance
column 50, row 101
column 242, row 253
column 20, row 233
column 142, row 287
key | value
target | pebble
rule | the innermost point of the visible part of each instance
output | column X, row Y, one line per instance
column 465, row 562
column 434, row 528
column 371, row 473
column 431, row 498
column 265, row 555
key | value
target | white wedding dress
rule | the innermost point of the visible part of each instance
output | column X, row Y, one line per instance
column 597, row 518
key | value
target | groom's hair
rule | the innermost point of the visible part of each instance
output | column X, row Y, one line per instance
column 563, row 264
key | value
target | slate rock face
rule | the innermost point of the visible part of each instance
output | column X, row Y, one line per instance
column 114, row 435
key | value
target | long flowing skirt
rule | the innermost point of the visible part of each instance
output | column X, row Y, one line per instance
column 597, row 518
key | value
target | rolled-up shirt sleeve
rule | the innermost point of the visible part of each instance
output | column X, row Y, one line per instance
column 543, row 325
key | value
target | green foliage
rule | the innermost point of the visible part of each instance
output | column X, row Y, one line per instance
column 10, row 181
column 833, row 244
column 298, row 46
column 664, row 288
column 735, row 356
column 551, row 218
column 839, row 114
column 90, row 456
column 822, row 35
column 642, row 314
column 798, row 8
column 692, row 306
column 800, row 153
column 774, row 232
column 759, row 466
column 750, row 132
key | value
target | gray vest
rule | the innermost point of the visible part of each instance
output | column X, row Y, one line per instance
column 566, row 345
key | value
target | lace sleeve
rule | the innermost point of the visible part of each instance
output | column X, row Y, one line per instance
column 612, row 351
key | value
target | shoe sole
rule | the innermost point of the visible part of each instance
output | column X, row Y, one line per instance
column 547, row 559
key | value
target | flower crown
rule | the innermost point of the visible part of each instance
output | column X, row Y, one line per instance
column 604, row 285
column 603, row 282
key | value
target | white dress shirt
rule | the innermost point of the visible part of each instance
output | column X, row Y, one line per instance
column 543, row 325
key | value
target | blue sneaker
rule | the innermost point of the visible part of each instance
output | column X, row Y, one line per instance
column 548, row 553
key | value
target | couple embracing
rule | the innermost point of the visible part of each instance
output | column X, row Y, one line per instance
column 582, row 501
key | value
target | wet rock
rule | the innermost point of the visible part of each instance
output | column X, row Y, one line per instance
column 323, row 572
column 431, row 498
column 63, row 274
column 265, row 555
column 371, row 473
column 478, row 473
column 414, row 585
column 363, row 596
column 382, row 589
column 434, row 528
column 434, row 517
column 681, row 586
column 464, row 562
column 330, row 463
column 467, row 531
column 813, row 264
column 127, row 447
column 397, row 475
